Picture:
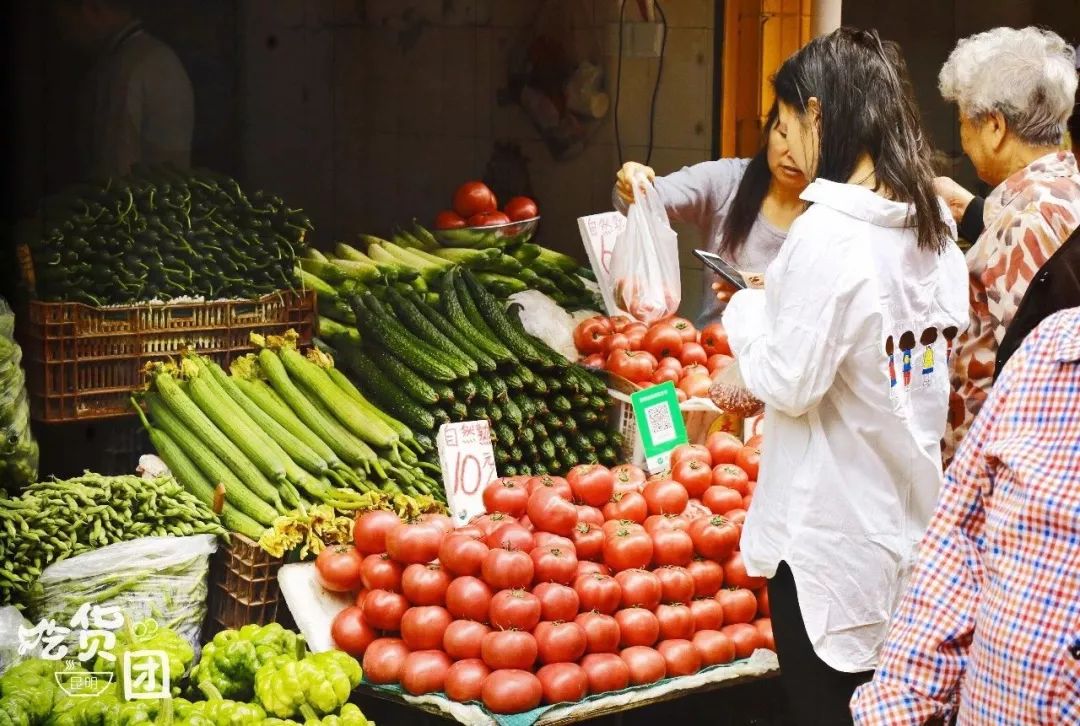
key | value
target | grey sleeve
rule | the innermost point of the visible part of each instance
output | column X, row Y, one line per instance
column 695, row 194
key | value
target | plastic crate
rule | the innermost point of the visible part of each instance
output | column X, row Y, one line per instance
column 84, row 362
column 244, row 587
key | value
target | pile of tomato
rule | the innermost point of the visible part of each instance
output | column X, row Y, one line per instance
column 475, row 205
column 669, row 350
column 566, row 587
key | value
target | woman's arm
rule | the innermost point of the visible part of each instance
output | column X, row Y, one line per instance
column 694, row 194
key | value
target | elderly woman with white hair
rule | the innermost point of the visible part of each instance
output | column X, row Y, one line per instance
column 1015, row 91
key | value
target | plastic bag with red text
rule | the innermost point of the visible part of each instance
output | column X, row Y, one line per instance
column 645, row 260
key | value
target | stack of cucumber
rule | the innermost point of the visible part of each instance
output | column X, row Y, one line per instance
column 466, row 358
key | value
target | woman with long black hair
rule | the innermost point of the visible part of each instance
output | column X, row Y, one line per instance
column 847, row 348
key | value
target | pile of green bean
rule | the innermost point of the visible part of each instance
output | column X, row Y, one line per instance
column 57, row 519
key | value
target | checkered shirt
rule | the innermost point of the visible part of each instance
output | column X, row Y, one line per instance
column 991, row 619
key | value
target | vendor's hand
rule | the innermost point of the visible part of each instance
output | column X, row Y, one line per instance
column 623, row 180
column 955, row 196
column 724, row 290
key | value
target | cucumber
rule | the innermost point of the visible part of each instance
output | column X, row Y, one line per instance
column 397, row 403
column 416, row 323
column 484, row 390
column 538, row 387
column 455, row 311
column 526, row 406
column 504, row 435
column 513, row 413
column 485, row 362
column 527, row 434
column 486, row 315
column 459, row 365
column 478, row 412
column 608, row 456
column 513, row 382
column 499, row 389
column 466, row 390
column 495, row 413
column 412, row 384
column 457, row 411
column 400, row 345
column 516, row 454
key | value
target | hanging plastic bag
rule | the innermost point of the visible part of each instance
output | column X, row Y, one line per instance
column 730, row 394
column 645, row 261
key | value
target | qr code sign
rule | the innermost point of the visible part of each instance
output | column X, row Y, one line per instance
column 661, row 426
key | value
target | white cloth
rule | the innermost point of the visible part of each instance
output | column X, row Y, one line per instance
column 851, row 464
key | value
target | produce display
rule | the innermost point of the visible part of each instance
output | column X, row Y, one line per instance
column 163, row 233
column 18, row 449
column 475, row 205
column 565, row 587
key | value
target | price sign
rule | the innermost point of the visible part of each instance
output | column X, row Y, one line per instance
column 659, row 423
column 468, row 464
column 598, row 234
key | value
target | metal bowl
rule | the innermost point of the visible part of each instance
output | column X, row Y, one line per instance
column 498, row 235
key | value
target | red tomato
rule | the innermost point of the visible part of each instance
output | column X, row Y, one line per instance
column 439, row 522
column 680, row 656
column 339, row 568
column 696, row 385
column 737, row 516
column 606, row 672
column 448, row 219
column 671, row 362
column 692, row 354
column 708, row 577
column 511, row 691
column 563, row 682
column 714, row 339
column 663, row 522
column 627, row 549
column 735, row 573
column 360, row 595
column 559, row 642
column 465, row 680
column 635, row 335
column 588, row 541
column 708, row 614
column 614, row 525
column 474, row 198
column 488, row 219
column 527, row 524
column 676, row 621
column 506, row 495
column 748, row 459
column 508, row 649
column 722, row 447
column 718, row 363
column 546, row 481
column 411, row 542
column 557, row 602
column 586, row 567
column 547, row 539
column 694, row 474
column 601, row 593
column 594, row 360
column 672, row 547
column 714, row 647
column 383, row 610
column 591, row 484
column 637, row 626
column 384, row 660
column 628, row 478
column 488, row 523
column 586, row 513
column 764, row 626
column 686, row 329
column 462, row 639
column 551, row 512
column 626, row 505
column 746, row 638
column 663, row 375
column 646, row 665
column 351, row 633
column 425, row 584
column 694, row 369
column 665, row 496
column 640, row 588
column 369, row 531
column 754, row 442
column 633, row 365
column 762, row 596
column 423, row 628
column 519, row 209
column 469, row 598
column 554, row 564
column 680, row 395
column 616, row 341
column 379, row 572
column 518, row 609
column 732, row 477
column 462, row 555
column 714, row 538
column 620, row 322
column 721, row 500
column 746, row 501
column 676, row 584
column 662, row 340
column 687, row 452
column 507, row 569
column 601, row 632
column 739, row 604
column 510, row 536
column 591, row 334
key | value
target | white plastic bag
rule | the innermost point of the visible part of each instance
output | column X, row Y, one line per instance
column 11, row 621
column 645, row 261
column 541, row 316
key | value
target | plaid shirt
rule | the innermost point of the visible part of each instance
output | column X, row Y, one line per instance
column 993, row 607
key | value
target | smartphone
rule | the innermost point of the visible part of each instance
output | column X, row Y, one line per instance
column 717, row 264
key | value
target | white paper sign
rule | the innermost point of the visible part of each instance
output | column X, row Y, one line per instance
column 598, row 234
column 468, row 464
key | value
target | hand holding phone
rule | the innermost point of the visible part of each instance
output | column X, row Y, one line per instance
column 717, row 264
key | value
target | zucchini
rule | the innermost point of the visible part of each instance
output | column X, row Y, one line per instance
column 262, row 395
column 399, row 345
column 413, row 385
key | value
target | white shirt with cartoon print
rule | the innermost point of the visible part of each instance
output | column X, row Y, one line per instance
column 846, row 345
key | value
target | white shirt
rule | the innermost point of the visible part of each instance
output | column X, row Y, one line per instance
column 851, row 461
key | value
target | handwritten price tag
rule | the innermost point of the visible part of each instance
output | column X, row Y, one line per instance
column 468, row 464
column 598, row 235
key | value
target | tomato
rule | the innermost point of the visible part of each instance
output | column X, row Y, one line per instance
column 588, row 541
column 628, row 478
column 714, row 339
column 557, row 602
column 370, row 528
column 676, row 621
column 425, row 584
column 735, row 573
column 606, row 672
column 439, row 522
column 350, row 632
column 474, row 197
column 662, row 340
column 687, row 452
column 718, row 363
column 594, row 360
column 339, row 568
column 360, row 595
column 519, row 209
column 686, row 329
column 423, row 628
column 663, row 522
column 488, row 523
column 509, row 649
column 694, row 474
column 527, row 524
column 670, row 362
column 547, row 539
column 746, row 502
column 614, row 525
column 762, row 596
column 637, row 626
column 696, row 385
column 448, row 219
column 510, row 536
column 462, row 639
column 627, row 549
column 634, row 365
column 663, row 375
column 507, row 569
column 601, row 593
column 676, row 584
column 715, row 537
column 764, row 626
column 546, row 481
column 586, row 513
column 672, row 547
column 737, row 516
column 465, row 680
column 626, row 505
column 461, row 554
column 665, row 496
column 692, row 354
column 616, row 341
column 635, row 335
column 551, row 512
column 411, row 542
column 721, row 500
column 469, row 598
column 708, row 614
column 518, row 609
column 732, row 477
column 739, row 605
column 646, row 664
column 586, row 567
column 511, row 691
column 694, row 369
column 559, row 642
column 424, row 671
column 640, row 588
column 591, row 334
column 746, row 638
column 714, row 647
column 708, row 577
column 563, row 682
column 507, row 496
column 680, row 657
column 379, row 572
column 680, row 395
column 488, row 219
column 591, row 484
column 470, row 530
column 554, row 564
column 754, row 442
column 601, row 632
column 383, row 610
column 748, row 459
column 384, row 660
